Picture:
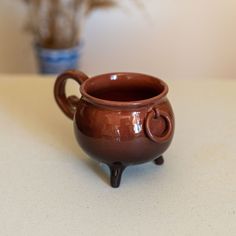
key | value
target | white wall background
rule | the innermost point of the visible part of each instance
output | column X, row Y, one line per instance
column 171, row 39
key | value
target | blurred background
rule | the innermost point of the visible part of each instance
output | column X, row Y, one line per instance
column 170, row 39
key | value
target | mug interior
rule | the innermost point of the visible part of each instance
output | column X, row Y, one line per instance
column 124, row 87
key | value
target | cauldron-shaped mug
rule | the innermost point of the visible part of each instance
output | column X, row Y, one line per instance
column 121, row 119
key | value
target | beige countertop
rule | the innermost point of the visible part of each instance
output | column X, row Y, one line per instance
column 48, row 186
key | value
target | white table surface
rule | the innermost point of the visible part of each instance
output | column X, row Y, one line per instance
column 48, row 186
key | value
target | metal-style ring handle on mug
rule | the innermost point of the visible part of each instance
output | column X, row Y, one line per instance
column 156, row 114
column 68, row 104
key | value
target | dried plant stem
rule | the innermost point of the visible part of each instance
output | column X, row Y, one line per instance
column 56, row 24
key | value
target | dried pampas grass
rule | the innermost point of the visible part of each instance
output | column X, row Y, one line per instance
column 56, row 24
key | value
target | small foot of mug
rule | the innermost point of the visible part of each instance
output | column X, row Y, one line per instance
column 116, row 170
column 159, row 161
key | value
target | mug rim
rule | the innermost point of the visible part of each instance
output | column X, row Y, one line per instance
column 142, row 102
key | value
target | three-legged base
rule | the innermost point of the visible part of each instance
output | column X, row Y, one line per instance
column 117, row 169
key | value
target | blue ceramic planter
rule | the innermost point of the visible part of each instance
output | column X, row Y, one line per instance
column 56, row 61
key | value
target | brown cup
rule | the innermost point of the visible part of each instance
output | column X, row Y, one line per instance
column 121, row 119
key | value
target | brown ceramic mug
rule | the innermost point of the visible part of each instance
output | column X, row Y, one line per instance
column 121, row 119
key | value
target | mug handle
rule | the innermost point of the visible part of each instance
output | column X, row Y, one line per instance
column 67, row 104
column 156, row 114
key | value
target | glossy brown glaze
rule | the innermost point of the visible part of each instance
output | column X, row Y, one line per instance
column 121, row 119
